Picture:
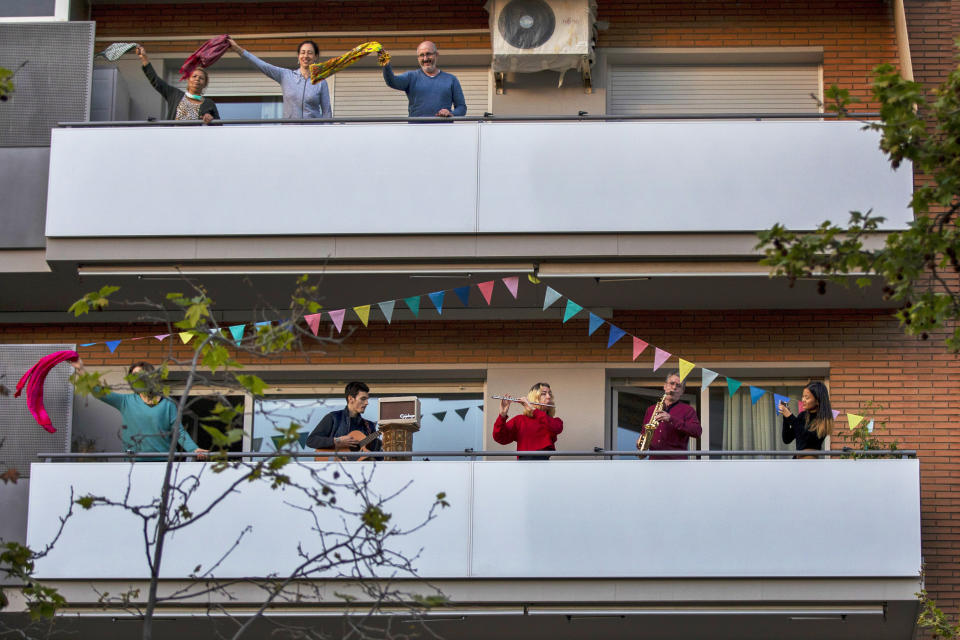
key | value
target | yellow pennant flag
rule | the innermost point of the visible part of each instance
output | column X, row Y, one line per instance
column 532, row 278
column 363, row 313
column 685, row 368
column 854, row 420
column 186, row 336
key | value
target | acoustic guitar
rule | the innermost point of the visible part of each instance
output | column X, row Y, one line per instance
column 361, row 446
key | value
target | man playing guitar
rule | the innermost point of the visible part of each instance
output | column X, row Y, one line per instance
column 347, row 429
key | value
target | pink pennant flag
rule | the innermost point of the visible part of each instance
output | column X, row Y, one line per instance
column 486, row 288
column 313, row 321
column 162, row 337
column 659, row 358
column 337, row 317
column 512, row 283
column 638, row 347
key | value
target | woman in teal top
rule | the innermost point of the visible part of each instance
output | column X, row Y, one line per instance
column 147, row 420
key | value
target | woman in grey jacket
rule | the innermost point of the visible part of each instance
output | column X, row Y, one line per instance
column 188, row 105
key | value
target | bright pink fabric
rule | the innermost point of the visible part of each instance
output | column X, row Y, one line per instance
column 34, row 378
column 208, row 53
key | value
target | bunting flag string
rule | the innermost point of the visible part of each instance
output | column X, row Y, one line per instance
column 486, row 288
column 386, row 308
column 595, row 323
column 337, row 318
column 437, row 299
column 464, row 294
column 512, row 283
column 462, row 412
column 363, row 312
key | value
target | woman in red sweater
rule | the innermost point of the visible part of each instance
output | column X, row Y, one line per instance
column 536, row 429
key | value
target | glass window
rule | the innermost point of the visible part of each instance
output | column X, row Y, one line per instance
column 199, row 408
column 249, row 107
column 448, row 422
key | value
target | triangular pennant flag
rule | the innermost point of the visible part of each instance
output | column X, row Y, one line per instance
column 186, row 336
column 685, row 368
column 615, row 334
column 112, row 345
column 265, row 323
column 870, row 427
column 708, row 378
column 337, row 317
column 440, row 415
column 854, row 420
column 303, row 438
column 756, row 393
column 363, row 312
column 437, row 299
column 638, row 346
column 836, row 412
column 413, row 302
column 486, row 288
column 512, row 283
column 533, row 279
column 140, row 338
column 387, row 309
column 550, row 297
column 162, row 336
column 464, row 294
column 595, row 322
column 237, row 332
column 88, row 344
column 462, row 412
column 659, row 357
column 313, row 321
column 572, row 309
column 277, row 440
column 777, row 399
column 255, row 443
column 732, row 385
column 480, row 406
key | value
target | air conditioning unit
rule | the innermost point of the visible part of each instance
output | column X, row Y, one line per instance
column 537, row 35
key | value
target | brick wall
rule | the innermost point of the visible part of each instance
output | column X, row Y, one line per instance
column 855, row 35
column 932, row 26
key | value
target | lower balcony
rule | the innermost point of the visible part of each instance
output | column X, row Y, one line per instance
column 567, row 548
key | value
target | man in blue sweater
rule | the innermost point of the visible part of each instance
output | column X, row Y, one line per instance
column 430, row 92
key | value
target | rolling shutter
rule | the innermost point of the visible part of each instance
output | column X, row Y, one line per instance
column 636, row 90
column 362, row 92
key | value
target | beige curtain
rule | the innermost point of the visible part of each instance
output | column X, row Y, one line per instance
column 755, row 427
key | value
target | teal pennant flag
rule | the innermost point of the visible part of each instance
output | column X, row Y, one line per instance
column 237, row 332
column 733, row 385
column 572, row 309
column 414, row 303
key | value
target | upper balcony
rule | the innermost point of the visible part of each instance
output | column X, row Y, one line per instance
column 473, row 177
column 743, row 546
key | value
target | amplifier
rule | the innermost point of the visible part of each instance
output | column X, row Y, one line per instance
column 403, row 410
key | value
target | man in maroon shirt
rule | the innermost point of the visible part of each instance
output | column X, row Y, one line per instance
column 678, row 421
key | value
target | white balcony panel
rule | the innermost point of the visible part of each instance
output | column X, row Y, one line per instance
column 557, row 519
column 466, row 178
column 262, row 180
column 685, row 176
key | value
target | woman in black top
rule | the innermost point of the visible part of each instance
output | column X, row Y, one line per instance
column 815, row 421
column 182, row 105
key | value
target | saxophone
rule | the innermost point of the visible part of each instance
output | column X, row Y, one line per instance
column 643, row 442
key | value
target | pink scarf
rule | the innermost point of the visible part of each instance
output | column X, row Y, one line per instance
column 208, row 53
column 34, row 379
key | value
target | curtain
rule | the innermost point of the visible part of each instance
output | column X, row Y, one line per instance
column 755, row 427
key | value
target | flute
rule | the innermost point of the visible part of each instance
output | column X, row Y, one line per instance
column 512, row 399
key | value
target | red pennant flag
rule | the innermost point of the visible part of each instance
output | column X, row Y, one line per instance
column 313, row 321
column 486, row 288
column 638, row 347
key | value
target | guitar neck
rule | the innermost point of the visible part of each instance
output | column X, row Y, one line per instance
column 370, row 438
